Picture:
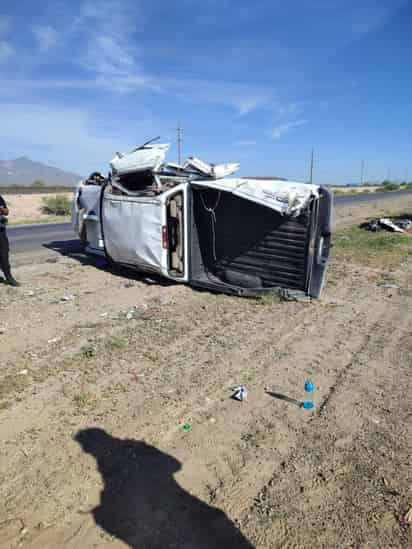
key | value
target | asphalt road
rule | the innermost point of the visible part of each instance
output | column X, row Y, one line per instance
column 341, row 199
column 56, row 236
column 26, row 238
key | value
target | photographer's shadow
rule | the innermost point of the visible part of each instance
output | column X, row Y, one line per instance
column 142, row 504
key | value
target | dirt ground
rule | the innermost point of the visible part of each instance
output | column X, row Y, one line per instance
column 117, row 428
column 27, row 207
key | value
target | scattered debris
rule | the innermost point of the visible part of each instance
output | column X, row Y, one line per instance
column 371, row 225
column 388, row 285
column 65, row 298
column 391, row 492
column 53, row 340
column 408, row 516
column 404, row 223
column 240, row 393
column 42, row 525
column 23, row 372
column 187, row 427
column 137, row 311
column 383, row 223
column 88, row 351
column 390, row 225
column 294, row 295
column 309, row 388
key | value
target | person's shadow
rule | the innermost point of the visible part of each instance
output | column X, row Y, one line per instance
column 143, row 505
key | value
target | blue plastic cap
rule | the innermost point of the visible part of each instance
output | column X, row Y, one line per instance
column 308, row 405
column 309, row 386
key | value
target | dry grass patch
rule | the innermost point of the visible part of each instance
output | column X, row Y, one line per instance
column 380, row 249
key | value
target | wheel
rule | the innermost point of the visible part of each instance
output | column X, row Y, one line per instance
column 83, row 237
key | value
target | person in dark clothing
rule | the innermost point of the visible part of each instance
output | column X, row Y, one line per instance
column 4, row 244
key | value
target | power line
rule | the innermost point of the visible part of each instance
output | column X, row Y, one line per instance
column 311, row 168
column 179, row 144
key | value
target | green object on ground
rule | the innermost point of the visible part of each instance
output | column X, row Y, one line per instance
column 187, row 427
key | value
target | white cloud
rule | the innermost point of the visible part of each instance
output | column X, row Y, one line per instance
column 101, row 39
column 79, row 146
column 280, row 129
column 46, row 37
column 121, row 85
column 72, row 138
column 114, row 66
column 287, row 110
column 110, row 53
column 242, row 98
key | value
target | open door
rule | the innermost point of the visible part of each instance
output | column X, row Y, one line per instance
column 175, row 234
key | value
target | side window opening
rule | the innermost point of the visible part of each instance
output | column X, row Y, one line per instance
column 142, row 183
column 175, row 232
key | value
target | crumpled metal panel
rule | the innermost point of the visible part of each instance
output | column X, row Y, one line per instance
column 149, row 157
column 286, row 197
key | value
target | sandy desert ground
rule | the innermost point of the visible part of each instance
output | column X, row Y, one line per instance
column 117, row 428
column 27, row 207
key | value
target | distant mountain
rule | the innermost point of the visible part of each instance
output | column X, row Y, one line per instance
column 23, row 171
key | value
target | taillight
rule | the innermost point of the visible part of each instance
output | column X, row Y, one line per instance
column 164, row 237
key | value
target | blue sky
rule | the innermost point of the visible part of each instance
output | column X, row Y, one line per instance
column 259, row 83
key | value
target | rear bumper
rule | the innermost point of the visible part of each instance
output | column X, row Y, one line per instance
column 322, row 243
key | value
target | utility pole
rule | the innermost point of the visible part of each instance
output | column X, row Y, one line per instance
column 311, row 168
column 179, row 144
column 362, row 170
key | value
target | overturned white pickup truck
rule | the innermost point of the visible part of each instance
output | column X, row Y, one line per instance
column 193, row 224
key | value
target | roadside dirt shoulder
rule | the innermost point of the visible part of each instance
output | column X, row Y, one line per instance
column 118, row 429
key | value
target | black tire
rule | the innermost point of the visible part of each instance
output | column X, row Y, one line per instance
column 83, row 237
